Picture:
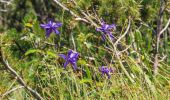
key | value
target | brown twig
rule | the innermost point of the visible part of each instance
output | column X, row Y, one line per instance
column 124, row 50
column 121, row 64
column 72, row 39
column 19, row 79
column 87, row 20
column 124, row 33
column 71, row 12
column 158, row 32
column 10, row 91
column 165, row 28
column 6, row 2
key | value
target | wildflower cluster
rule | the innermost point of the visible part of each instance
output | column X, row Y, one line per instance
column 72, row 56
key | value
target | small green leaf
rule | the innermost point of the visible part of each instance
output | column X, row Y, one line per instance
column 99, row 84
column 31, row 51
column 88, row 72
column 86, row 81
column 28, row 25
column 82, row 62
column 51, row 54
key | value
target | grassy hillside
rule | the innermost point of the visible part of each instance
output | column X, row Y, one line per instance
column 85, row 49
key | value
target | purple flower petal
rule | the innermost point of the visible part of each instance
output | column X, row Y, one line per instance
column 113, row 26
column 111, row 70
column 66, row 63
column 98, row 29
column 111, row 36
column 50, row 22
column 74, row 55
column 56, row 31
column 105, row 27
column 102, row 22
column 44, row 26
column 105, row 70
column 70, row 52
column 58, row 25
column 63, row 56
column 103, row 37
column 74, row 66
column 48, row 32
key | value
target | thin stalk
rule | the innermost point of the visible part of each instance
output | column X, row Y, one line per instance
column 159, row 28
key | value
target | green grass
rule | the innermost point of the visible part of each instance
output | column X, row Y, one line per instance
column 35, row 57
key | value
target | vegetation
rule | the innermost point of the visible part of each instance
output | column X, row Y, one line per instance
column 132, row 62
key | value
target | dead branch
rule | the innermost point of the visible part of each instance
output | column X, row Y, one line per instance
column 10, row 91
column 124, row 33
column 19, row 79
column 165, row 28
column 71, row 12
column 159, row 28
column 87, row 20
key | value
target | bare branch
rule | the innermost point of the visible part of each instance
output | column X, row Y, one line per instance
column 163, row 58
column 71, row 12
column 122, row 66
column 164, row 29
column 19, row 79
column 10, row 91
column 87, row 20
column 72, row 38
column 6, row 2
column 92, row 22
column 124, row 50
column 124, row 33
column 159, row 28
column 3, row 10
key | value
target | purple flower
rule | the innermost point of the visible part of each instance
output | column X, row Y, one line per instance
column 71, row 58
column 50, row 27
column 105, row 70
column 106, row 29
